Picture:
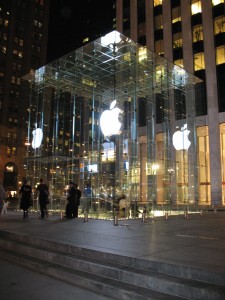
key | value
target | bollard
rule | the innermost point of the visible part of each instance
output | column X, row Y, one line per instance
column 143, row 217
column 215, row 211
column 201, row 212
column 185, row 214
column 85, row 217
column 166, row 216
column 115, row 220
column 61, row 215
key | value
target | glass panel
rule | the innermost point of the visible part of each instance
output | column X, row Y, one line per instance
column 83, row 125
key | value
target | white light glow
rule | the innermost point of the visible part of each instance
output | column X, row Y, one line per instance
column 37, row 138
column 180, row 139
column 92, row 168
column 111, row 38
column 109, row 121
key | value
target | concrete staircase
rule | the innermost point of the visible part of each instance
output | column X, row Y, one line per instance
column 115, row 276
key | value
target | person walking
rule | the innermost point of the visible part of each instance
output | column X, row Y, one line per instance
column 26, row 198
column 43, row 194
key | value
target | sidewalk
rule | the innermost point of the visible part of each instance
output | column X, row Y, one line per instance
column 198, row 241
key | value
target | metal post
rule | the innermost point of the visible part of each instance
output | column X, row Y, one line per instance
column 166, row 216
column 85, row 217
column 143, row 217
column 115, row 220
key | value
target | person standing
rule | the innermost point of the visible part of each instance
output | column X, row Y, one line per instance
column 77, row 201
column 2, row 195
column 26, row 197
column 73, row 198
column 87, row 198
column 43, row 194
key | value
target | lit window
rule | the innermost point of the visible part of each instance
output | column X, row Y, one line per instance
column 86, row 40
column 219, row 25
column 216, row 2
column 8, row 152
column 196, row 7
column 220, row 55
column 197, row 33
column 199, row 61
column 6, row 23
column 14, row 150
column 4, row 49
column 177, row 40
column 179, row 62
column 20, row 54
column 157, row 2
column 176, row 14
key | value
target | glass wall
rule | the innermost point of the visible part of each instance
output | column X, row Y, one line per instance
column 118, row 120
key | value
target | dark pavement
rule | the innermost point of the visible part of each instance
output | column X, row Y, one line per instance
column 198, row 242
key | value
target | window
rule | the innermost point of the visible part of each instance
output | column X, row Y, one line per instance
column 220, row 55
column 176, row 15
column 177, row 40
column 179, row 63
column 219, row 25
column 158, row 22
column 197, row 33
column 157, row 2
column 159, row 47
column 196, row 7
column 216, row 2
column 199, row 61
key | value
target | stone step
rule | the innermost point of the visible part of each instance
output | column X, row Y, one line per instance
column 115, row 268
column 112, row 289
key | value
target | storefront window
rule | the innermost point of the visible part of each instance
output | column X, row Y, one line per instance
column 204, row 165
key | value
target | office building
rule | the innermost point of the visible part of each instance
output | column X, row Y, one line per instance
column 23, row 48
column 190, row 34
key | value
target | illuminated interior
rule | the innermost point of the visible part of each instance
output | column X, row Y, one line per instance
column 155, row 99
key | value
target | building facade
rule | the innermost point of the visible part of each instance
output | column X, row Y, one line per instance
column 23, row 46
column 191, row 34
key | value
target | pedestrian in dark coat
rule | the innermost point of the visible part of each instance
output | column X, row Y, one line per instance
column 26, row 198
column 43, row 195
column 73, row 198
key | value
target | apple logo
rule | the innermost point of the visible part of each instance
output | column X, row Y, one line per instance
column 180, row 139
column 109, row 121
column 37, row 138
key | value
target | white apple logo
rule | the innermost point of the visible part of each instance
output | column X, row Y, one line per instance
column 109, row 121
column 180, row 139
column 37, row 138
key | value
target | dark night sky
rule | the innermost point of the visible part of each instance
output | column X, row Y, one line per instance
column 72, row 20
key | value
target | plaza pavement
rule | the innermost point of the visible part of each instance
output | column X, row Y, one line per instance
column 197, row 241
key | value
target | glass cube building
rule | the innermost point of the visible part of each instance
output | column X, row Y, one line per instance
column 118, row 120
